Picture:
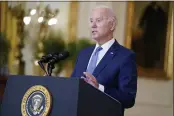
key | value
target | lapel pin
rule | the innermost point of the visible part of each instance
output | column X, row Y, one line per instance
column 112, row 53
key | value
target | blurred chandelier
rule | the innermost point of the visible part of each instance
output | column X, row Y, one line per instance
column 44, row 16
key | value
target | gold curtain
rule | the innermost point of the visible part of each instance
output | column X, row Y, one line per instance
column 8, row 25
column 72, row 30
column 73, row 18
column 3, row 6
column 169, row 48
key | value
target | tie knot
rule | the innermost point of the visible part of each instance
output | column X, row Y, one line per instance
column 98, row 49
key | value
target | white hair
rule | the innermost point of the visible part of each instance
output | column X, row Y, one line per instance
column 110, row 11
column 111, row 14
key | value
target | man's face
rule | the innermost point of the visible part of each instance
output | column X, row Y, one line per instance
column 99, row 24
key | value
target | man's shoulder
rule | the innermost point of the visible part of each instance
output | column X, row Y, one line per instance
column 126, row 55
column 87, row 49
column 123, row 51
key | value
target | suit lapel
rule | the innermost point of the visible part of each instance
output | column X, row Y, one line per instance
column 86, row 58
column 106, row 59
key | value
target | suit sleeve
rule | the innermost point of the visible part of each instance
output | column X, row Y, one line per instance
column 75, row 68
column 126, row 92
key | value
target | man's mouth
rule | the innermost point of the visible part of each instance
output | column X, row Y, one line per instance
column 94, row 31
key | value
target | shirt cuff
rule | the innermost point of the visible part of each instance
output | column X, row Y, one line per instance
column 101, row 87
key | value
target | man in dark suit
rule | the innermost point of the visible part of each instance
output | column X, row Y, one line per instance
column 108, row 66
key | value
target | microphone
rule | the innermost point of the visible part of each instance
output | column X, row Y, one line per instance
column 46, row 59
column 56, row 58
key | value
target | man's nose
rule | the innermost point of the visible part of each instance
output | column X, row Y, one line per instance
column 94, row 24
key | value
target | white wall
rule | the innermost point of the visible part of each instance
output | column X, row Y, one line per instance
column 154, row 98
column 82, row 24
column 120, row 9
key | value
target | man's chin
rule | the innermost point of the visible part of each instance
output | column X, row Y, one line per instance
column 95, row 38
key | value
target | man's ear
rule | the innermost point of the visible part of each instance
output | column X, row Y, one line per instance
column 113, row 24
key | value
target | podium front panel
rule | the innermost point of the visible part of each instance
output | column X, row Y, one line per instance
column 64, row 94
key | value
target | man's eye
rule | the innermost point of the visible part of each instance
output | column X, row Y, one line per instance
column 98, row 20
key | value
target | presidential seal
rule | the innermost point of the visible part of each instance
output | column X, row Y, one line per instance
column 36, row 102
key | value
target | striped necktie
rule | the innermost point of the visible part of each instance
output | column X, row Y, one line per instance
column 93, row 61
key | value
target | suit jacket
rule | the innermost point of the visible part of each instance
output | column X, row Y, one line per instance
column 116, row 71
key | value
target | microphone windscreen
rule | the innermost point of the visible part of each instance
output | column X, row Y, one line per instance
column 63, row 55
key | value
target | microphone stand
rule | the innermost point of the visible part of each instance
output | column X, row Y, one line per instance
column 50, row 68
column 55, row 59
column 42, row 66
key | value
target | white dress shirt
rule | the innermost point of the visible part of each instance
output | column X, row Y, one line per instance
column 101, row 54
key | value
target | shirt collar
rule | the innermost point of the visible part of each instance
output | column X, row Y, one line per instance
column 106, row 45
